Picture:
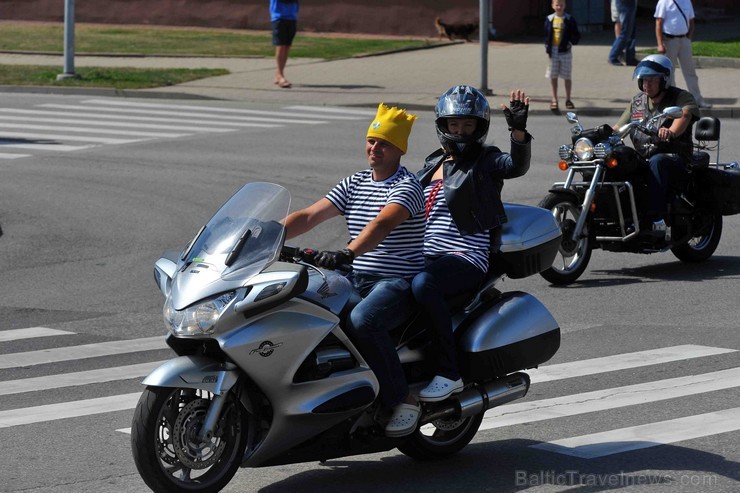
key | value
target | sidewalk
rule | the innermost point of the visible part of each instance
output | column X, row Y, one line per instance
column 415, row 79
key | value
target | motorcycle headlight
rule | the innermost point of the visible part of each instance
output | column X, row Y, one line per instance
column 584, row 149
column 196, row 320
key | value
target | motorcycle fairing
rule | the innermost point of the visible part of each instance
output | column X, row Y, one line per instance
column 303, row 409
column 330, row 290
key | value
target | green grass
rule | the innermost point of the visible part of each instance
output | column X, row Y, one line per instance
column 184, row 41
column 136, row 40
column 723, row 49
column 117, row 78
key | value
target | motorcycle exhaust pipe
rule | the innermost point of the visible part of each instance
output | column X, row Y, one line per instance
column 480, row 398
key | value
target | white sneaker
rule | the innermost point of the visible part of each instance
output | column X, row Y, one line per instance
column 705, row 105
column 440, row 388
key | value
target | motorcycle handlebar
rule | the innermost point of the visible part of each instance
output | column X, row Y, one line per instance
column 308, row 256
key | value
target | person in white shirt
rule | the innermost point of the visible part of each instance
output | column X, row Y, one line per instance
column 674, row 30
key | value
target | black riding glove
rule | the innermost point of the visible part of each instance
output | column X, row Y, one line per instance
column 516, row 115
column 332, row 260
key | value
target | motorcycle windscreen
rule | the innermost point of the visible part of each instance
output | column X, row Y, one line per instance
column 238, row 242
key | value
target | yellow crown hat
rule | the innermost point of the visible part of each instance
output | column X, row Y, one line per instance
column 392, row 125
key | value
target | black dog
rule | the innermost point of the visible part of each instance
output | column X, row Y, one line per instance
column 454, row 31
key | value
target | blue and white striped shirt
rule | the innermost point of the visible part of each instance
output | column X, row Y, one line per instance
column 360, row 199
column 442, row 236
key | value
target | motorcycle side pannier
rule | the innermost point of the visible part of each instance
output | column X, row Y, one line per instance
column 511, row 333
column 529, row 241
column 720, row 190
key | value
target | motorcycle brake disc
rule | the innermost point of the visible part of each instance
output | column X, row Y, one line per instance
column 191, row 450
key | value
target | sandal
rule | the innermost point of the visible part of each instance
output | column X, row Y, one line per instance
column 569, row 104
column 554, row 105
column 403, row 420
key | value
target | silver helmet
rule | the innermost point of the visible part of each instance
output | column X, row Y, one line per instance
column 654, row 66
column 462, row 102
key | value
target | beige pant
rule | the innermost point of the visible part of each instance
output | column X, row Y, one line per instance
column 679, row 49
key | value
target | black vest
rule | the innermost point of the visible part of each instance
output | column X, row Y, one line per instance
column 640, row 112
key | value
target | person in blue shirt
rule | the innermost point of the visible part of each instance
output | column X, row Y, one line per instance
column 284, row 18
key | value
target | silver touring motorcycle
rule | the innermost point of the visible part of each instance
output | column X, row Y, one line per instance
column 266, row 375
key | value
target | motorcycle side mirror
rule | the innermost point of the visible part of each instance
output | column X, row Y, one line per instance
column 164, row 271
column 571, row 117
column 673, row 112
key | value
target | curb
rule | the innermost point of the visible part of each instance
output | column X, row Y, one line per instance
column 729, row 112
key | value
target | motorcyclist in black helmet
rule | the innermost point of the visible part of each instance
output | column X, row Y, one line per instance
column 463, row 181
column 672, row 146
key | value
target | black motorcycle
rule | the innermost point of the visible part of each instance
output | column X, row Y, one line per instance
column 605, row 208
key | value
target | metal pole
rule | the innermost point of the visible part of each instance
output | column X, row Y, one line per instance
column 483, row 36
column 69, row 41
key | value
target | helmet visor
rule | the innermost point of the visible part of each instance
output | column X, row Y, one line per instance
column 649, row 68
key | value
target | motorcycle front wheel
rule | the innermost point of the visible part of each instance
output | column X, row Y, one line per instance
column 167, row 451
column 701, row 247
column 441, row 438
column 573, row 256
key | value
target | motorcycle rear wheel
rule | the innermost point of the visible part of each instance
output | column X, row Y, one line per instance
column 166, row 450
column 441, row 438
column 573, row 256
column 700, row 248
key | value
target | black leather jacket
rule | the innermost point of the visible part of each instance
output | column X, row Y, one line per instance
column 472, row 186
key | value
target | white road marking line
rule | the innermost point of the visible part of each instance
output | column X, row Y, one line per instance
column 91, row 130
column 30, row 333
column 72, row 138
column 103, row 116
column 76, row 121
column 74, row 409
column 77, row 378
column 12, row 156
column 125, row 430
column 607, row 399
column 645, row 436
column 43, row 356
column 194, row 114
column 215, row 109
column 623, row 362
column 358, row 113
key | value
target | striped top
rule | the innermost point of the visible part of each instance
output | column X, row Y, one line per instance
column 442, row 236
column 360, row 199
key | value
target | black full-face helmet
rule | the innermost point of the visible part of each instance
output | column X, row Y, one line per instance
column 462, row 102
column 654, row 66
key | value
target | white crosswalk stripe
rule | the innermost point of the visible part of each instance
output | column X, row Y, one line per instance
column 56, row 128
column 593, row 445
column 31, row 332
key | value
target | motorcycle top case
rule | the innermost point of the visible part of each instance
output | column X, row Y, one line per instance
column 720, row 190
column 529, row 241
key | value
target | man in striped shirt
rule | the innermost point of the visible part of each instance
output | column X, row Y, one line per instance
column 383, row 207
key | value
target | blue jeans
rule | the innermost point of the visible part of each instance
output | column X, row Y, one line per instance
column 383, row 304
column 626, row 41
column 667, row 171
column 442, row 278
